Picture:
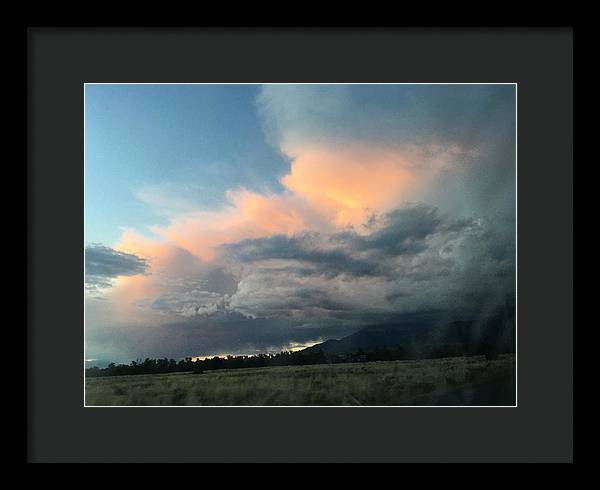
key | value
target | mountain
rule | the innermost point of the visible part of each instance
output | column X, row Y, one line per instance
column 428, row 336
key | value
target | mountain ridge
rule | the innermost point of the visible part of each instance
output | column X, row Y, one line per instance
column 425, row 338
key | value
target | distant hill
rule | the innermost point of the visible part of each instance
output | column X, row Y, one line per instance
column 424, row 337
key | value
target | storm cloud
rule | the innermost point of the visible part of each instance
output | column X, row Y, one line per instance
column 390, row 201
column 416, row 259
column 102, row 264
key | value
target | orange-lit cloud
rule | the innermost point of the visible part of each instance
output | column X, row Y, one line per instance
column 127, row 291
column 327, row 188
column 249, row 215
column 346, row 183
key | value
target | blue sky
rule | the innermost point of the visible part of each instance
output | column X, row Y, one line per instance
column 198, row 139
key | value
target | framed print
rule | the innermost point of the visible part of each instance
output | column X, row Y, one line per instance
column 242, row 246
column 300, row 244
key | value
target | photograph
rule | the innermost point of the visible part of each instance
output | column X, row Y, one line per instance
column 300, row 245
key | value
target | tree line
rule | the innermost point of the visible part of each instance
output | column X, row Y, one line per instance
column 188, row 364
column 284, row 358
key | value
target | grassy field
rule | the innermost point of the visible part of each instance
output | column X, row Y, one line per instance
column 449, row 381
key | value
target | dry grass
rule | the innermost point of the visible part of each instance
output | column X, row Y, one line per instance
column 373, row 383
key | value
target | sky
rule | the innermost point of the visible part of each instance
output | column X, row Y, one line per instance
column 237, row 219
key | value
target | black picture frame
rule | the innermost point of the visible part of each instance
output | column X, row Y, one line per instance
column 61, row 429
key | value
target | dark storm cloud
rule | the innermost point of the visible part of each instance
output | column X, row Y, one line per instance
column 104, row 263
column 302, row 248
column 217, row 335
column 404, row 231
column 401, row 232
column 415, row 259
